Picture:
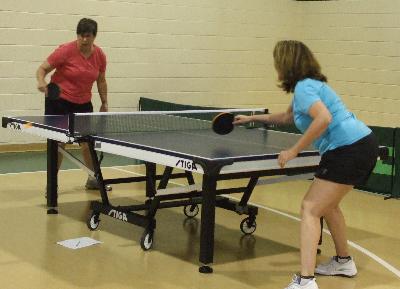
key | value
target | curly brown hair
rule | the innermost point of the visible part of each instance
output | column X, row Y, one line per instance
column 294, row 61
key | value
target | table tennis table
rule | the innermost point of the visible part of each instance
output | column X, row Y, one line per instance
column 245, row 153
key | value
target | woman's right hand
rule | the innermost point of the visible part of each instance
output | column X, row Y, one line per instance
column 42, row 87
column 242, row 119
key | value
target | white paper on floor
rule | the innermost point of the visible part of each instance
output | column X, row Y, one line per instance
column 78, row 243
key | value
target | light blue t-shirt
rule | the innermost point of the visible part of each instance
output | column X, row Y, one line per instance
column 344, row 128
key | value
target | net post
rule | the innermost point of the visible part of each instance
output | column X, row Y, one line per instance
column 140, row 104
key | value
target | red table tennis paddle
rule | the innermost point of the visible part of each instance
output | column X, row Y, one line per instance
column 223, row 123
column 53, row 91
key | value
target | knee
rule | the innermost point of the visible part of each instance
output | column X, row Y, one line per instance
column 310, row 208
column 332, row 212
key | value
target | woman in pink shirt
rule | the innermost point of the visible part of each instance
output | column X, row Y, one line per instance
column 77, row 64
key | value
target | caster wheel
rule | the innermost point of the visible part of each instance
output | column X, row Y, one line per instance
column 205, row 269
column 248, row 228
column 93, row 222
column 146, row 241
column 191, row 211
column 52, row 211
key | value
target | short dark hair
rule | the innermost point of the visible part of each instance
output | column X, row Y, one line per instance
column 294, row 62
column 86, row 25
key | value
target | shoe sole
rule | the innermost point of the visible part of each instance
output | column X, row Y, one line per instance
column 339, row 275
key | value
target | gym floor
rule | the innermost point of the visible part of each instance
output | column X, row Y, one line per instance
column 31, row 258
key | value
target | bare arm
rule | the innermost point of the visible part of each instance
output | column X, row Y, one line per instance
column 102, row 89
column 44, row 69
column 274, row 118
column 321, row 120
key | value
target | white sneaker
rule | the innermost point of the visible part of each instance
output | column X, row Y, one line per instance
column 335, row 268
column 296, row 283
column 92, row 184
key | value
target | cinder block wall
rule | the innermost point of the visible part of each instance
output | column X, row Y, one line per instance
column 358, row 45
column 210, row 52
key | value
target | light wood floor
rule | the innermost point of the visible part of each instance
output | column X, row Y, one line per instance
column 30, row 257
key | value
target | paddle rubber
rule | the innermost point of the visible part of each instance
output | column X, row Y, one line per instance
column 223, row 123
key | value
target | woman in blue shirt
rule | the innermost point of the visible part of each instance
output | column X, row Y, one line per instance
column 348, row 151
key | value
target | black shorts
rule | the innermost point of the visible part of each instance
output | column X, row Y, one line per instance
column 61, row 106
column 350, row 164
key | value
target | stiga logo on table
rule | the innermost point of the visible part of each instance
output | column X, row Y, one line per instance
column 15, row 126
column 118, row 215
column 187, row 165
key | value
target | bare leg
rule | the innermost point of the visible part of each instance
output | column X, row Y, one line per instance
column 337, row 226
column 91, row 182
column 60, row 156
column 86, row 156
column 87, row 159
column 321, row 197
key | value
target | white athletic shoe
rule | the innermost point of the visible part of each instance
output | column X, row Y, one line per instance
column 296, row 283
column 335, row 268
column 92, row 184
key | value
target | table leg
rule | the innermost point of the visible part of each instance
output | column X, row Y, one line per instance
column 150, row 179
column 207, row 223
column 52, row 176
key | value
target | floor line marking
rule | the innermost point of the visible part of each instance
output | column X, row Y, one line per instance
column 373, row 256
column 65, row 170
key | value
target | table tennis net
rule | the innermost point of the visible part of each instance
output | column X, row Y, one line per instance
column 106, row 123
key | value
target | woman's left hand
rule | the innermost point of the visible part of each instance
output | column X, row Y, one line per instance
column 286, row 156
